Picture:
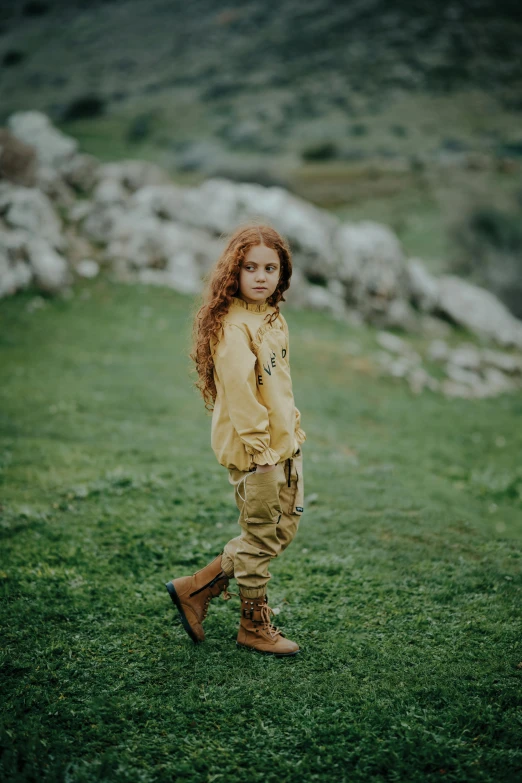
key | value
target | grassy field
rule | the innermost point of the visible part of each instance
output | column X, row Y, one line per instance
column 402, row 587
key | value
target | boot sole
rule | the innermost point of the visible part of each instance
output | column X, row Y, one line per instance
column 185, row 623
column 267, row 652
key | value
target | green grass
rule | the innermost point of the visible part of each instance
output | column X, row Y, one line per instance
column 402, row 586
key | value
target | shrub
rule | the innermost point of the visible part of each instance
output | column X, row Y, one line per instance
column 323, row 151
column 85, row 107
column 12, row 57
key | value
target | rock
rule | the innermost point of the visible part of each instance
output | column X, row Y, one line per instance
column 133, row 174
column 17, row 160
column 506, row 362
column 371, row 265
column 453, row 389
column 418, row 379
column 391, row 342
column 51, row 183
column 497, row 382
column 438, row 351
column 164, row 201
column 318, row 297
column 81, row 172
column 80, row 210
column 52, row 147
column 146, row 241
column 87, row 268
column 479, row 311
column 423, row 287
column 434, row 327
column 219, row 206
column 467, row 356
column 100, row 222
column 30, row 209
column 50, row 269
column 399, row 315
column 109, row 192
column 462, row 376
column 180, row 274
column 15, row 271
column 77, row 246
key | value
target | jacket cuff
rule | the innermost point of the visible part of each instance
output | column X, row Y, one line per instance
column 266, row 457
column 300, row 435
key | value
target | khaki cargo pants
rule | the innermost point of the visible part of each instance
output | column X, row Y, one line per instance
column 270, row 506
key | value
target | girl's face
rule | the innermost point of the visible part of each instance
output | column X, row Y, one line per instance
column 259, row 274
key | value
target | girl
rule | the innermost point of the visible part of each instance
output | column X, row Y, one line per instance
column 241, row 353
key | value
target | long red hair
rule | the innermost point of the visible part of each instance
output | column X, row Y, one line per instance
column 222, row 283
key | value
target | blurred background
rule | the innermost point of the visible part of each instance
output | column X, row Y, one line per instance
column 404, row 112
column 384, row 141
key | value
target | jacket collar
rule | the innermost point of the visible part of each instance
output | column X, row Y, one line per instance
column 260, row 307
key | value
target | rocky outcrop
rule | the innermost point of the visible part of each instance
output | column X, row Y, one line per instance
column 467, row 370
column 77, row 216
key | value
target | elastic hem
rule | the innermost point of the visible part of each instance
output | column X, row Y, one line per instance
column 266, row 457
column 300, row 435
column 227, row 564
column 258, row 307
column 251, row 592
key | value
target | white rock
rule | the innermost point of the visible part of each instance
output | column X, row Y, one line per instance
column 52, row 146
column 423, row 287
column 505, row 362
column 434, row 327
column 466, row 355
column 391, row 342
column 80, row 210
column 371, row 263
column 399, row 315
column 109, row 192
column 14, row 275
column 100, row 223
column 418, row 379
column 479, row 311
column 219, row 205
column 395, row 344
column 81, row 171
column 462, row 376
column 454, row 389
column 164, row 201
column 30, row 209
column 438, row 351
column 50, row 269
column 87, row 268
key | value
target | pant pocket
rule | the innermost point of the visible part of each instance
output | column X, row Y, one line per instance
column 262, row 501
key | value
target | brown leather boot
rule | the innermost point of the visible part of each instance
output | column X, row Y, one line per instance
column 256, row 632
column 192, row 596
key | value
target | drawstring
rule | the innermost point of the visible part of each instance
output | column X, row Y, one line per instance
column 242, row 480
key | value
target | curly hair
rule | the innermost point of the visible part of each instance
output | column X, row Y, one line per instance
column 222, row 283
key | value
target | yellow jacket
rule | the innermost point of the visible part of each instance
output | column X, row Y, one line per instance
column 254, row 420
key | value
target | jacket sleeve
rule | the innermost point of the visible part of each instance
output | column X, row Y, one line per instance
column 234, row 362
column 300, row 435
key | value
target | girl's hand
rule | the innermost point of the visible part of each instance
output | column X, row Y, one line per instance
column 265, row 468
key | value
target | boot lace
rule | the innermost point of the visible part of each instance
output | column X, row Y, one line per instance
column 266, row 611
column 227, row 595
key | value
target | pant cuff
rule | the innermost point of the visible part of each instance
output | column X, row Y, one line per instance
column 252, row 592
column 227, row 564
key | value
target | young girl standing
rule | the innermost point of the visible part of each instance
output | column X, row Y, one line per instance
column 242, row 357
